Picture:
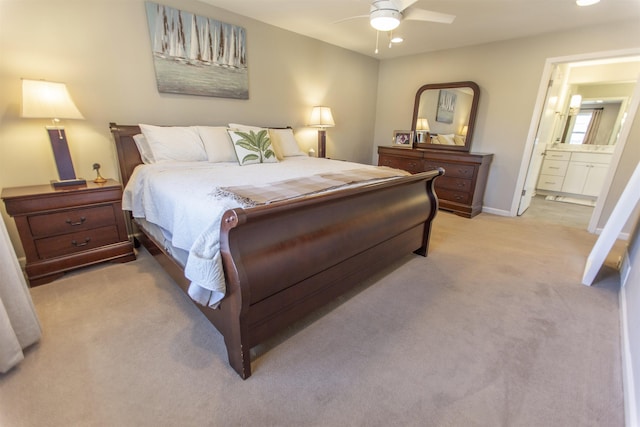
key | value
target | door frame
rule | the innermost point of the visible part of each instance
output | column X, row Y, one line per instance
column 550, row 63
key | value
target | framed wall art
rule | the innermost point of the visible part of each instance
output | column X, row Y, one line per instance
column 446, row 106
column 196, row 55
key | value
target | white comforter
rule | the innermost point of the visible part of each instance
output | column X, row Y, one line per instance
column 178, row 197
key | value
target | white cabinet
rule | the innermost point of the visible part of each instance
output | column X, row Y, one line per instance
column 554, row 168
column 585, row 173
column 580, row 173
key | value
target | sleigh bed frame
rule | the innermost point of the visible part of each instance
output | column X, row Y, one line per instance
column 309, row 250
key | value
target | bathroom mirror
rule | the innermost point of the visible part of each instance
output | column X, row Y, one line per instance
column 444, row 115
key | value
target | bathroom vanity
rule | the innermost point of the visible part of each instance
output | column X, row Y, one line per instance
column 574, row 170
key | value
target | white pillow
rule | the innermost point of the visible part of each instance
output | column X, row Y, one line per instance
column 252, row 147
column 286, row 142
column 459, row 139
column 174, row 143
column 143, row 148
column 217, row 143
column 446, row 139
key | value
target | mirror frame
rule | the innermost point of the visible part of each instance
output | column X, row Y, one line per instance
column 472, row 114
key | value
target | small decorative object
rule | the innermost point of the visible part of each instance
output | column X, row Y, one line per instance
column 403, row 138
column 99, row 179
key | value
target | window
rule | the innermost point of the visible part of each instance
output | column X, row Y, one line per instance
column 580, row 126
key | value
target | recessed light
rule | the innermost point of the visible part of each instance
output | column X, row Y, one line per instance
column 586, row 2
column 397, row 39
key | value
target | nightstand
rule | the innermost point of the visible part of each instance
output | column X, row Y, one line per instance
column 68, row 228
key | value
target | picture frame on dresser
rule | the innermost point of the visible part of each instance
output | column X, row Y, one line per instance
column 403, row 138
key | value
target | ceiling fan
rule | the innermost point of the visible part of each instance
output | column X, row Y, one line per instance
column 385, row 15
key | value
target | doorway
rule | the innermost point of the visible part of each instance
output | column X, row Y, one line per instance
column 571, row 89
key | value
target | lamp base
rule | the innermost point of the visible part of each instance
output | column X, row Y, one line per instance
column 322, row 143
column 68, row 183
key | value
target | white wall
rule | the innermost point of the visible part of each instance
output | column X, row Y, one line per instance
column 630, row 302
column 509, row 75
column 101, row 50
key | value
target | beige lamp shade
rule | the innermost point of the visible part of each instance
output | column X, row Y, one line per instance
column 465, row 129
column 321, row 117
column 422, row 124
column 42, row 99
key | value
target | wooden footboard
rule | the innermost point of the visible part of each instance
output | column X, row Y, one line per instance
column 287, row 259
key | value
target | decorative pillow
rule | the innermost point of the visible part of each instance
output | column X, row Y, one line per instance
column 256, row 129
column 174, row 143
column 286, row 142
column 143, row 149
column 252, row 147
column 459, row 139
column 446, row 139
column 217, row 143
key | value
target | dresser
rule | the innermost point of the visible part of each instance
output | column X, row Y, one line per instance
column 68, row 228
column 461, row 189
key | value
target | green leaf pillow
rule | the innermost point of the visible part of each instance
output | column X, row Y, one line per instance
column 252, row 146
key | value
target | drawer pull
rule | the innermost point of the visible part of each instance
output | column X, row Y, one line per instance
column 78, row 245
column 71, row 223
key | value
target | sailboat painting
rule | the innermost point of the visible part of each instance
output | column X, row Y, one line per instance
column 195, row 55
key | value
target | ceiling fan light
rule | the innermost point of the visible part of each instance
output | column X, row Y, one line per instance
column 385, row 19
column 586, row 2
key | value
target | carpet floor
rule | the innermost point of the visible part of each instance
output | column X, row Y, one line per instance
column 493, row 328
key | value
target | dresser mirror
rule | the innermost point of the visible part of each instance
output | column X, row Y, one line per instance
column 444, row 115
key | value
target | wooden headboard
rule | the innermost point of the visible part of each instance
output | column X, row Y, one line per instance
column 128, row 155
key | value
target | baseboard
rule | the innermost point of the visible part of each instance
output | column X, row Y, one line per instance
column 494, row 211
column 629, row 386
column 621, row 236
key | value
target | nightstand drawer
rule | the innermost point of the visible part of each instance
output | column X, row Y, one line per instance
column 71, row 221
column 452, row 170
column 52, row 247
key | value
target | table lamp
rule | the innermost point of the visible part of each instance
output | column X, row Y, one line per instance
column 50, row 100
column 321, row 118
column 422, row 130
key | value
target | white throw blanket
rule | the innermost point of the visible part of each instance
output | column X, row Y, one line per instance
column 179, row 198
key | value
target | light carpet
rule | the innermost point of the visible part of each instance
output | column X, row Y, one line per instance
column 492, row 329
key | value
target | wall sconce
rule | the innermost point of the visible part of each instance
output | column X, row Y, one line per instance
column 574, row 104
column 49, row 100
column 321, row 118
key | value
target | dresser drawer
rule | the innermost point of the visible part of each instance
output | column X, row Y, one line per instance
column 71, row 221
column 450, row 183
column 451, row 169
column 52, row 247
column 454, row 196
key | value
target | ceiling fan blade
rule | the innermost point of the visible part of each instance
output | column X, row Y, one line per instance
column 427, row 15
column 349, row 18
column 403, row 4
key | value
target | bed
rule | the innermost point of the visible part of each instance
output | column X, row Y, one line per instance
column 310, row 249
